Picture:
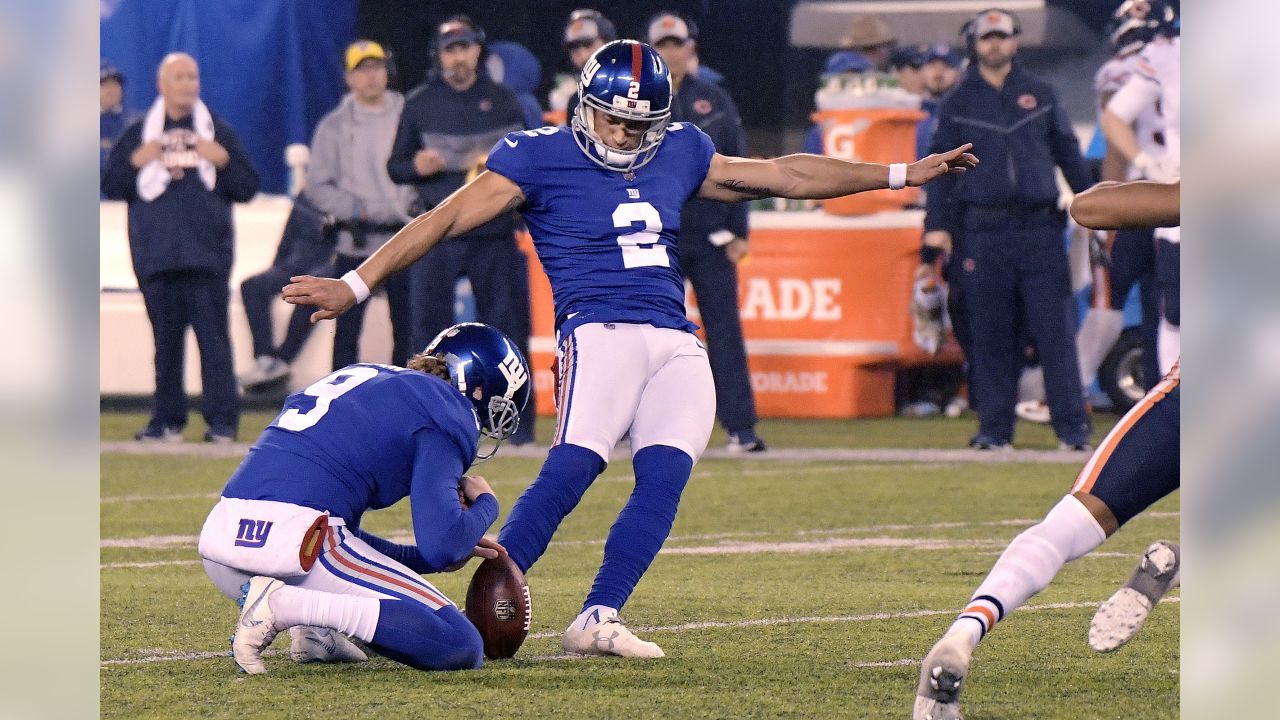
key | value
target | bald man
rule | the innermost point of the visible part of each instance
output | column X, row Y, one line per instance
column 180, row 168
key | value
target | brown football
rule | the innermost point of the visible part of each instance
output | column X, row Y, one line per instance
column 498, row 605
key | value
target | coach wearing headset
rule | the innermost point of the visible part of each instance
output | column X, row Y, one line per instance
column 449, row 124
column 1013, row 268
column 713, row 235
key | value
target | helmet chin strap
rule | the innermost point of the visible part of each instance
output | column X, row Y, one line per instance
column 612, row 157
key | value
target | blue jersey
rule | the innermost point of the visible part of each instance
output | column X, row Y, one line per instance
column 362, row 438
column 608, row 244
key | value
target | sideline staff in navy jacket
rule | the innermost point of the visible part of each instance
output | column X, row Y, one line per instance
column 448, row 126
column 180, row 168
column 1012, row 268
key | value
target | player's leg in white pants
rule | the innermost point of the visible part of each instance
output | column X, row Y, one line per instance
column 355, row 590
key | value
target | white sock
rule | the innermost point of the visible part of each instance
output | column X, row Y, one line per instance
column 350, row 614
column 593, row 615
column 1098, row 333
column 1029, row 564
column 1168, row 346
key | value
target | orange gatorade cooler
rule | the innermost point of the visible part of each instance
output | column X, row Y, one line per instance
column 878, row 135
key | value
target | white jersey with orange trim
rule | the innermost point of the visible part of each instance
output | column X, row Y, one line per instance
column 1157, row 80
column 1149, row 124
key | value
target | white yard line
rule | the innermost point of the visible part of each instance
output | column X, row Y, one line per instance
column 158, row 655
column 155, row 542
column 110, row 499
column 927, row 455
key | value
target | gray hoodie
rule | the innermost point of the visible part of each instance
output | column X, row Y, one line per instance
column 347, row 177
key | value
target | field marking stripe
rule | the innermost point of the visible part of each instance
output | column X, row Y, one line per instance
column 107, row 499
column 165, row 541
column 775, row 454
column 159, row 655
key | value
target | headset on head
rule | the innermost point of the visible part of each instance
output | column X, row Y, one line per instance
column 967, row 30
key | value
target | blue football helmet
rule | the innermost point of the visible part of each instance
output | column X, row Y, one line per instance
column 626, row 79
column 486, row 367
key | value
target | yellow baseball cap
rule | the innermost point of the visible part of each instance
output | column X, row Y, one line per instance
column 361, row 50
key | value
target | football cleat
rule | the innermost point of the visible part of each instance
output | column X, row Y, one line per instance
column 1036, row 411
column 317, row 644
column 266, row 369
column 1122, row 615
column 942, row 676
column 256, row 627
column 159, row 433
column 609, row 637
column 745, row 442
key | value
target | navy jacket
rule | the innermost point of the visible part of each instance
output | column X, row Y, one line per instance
column 709, row 107
column 1019, row 133
column 188, row 227
column 462, row 127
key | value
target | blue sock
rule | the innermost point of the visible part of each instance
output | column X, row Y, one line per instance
column 426, row 639
column 643, row 525
column 565, row 476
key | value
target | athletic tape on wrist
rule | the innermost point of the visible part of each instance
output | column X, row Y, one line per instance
column 897, row 176
column 356, row 283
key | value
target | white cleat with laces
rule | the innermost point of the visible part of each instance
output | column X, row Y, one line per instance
column 608, row 636
column 941, row 678
column 256, row 627
column 318, row 644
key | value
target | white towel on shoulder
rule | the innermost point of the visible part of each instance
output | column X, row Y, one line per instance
column 154, row 177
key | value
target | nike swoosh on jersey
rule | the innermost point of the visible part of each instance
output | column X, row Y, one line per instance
column 510, row 142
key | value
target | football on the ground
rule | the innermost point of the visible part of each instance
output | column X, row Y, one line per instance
column 498, row 605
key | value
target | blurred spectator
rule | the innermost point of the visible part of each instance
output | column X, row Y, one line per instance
column 585, row 31
column 112, row 117
column 306, row 248
column 704, row 72
column 870, row 35
column 1156, row 84
column 713, row 236
column 1008, row 231
column 512, row 65
column 907, row 63
column 348, row 181
column 842, row 62
column 180, row 168
column 939, row 74
column 447, row 128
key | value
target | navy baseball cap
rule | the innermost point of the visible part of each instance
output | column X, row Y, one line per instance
column 907, row 55
column 942, row 52
column 455, row 31
column 848, row 61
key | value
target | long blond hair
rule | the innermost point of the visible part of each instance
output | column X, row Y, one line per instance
column 429, row 364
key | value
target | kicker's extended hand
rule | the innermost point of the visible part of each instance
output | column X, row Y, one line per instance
column 332, row 296
column 934, row 166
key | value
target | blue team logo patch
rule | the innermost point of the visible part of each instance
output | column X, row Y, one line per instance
column 253, row 533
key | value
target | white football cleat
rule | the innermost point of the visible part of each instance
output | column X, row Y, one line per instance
column 609, row 637
column 941, row 678
column 256, row 628
column 317, row 644
column 1122, row 615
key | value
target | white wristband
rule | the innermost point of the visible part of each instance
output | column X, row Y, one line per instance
column 356, row 283
column 897, row 176
column 720, row 238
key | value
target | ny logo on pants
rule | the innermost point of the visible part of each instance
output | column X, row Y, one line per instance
column 252, row 533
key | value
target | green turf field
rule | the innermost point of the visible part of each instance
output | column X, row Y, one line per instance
column 803, row 589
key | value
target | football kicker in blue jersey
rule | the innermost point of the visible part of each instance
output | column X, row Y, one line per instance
column 602, row 199
column 285, row 537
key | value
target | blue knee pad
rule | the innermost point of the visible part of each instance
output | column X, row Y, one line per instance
column 426, row 639
column 643, row 525
column 565, row 476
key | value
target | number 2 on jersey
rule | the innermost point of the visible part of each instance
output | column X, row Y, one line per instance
column 325, row 390
column 633, row 255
